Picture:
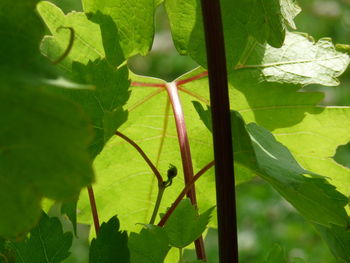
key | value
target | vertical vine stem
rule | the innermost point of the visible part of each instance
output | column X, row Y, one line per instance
column 185, row 154
column 223, row 152
column 94, row 209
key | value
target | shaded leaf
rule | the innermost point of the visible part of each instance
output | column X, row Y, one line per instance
column 185, row 225
column 111, row 245
column 47, row 243
column 104, row 105
column 70, row 209
column 151, row 245
column 312, row 196
column 43, row 137
column 94, row 37
column 276, row 255
column 135, row 28
column 338, row 240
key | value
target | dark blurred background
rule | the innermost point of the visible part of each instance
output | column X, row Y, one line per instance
column 263, row 217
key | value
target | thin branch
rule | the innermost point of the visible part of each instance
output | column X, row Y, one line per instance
column 142, row 153
column 221, row 123
column 93, row 209
column 184, row 192
column 70, row 44
column 185, row 154
column 199, row 76
column 144, row 84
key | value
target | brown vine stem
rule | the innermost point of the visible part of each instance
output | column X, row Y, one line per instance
column 223, row 150
column 185, row 154
column 184, row 192
column 145, row 157
column 94, row 209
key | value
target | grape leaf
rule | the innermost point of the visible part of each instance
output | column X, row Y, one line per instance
column 151, row 245
column 69, row 208
column 95, row 37
column 185, row 225
column 313, row 197
column 300, row 61
column 47, row 243
column 338, row 240
column 104, row 105
column 43, row 137
column 111, row 245
column 264, row 20
column 134, row 20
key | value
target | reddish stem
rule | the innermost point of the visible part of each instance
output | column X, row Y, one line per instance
column 142, row 153
column 184, row 81
column 94, row 209
column 184, row 192
column 185, row 154
column 142, row 84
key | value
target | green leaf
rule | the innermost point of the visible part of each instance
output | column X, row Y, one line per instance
column 134, row 20
column 185, row 225
column 300, row 61
column 338, row 240
column 263, row 20
column 312, row 196
column 104, row 105
column 70, row 209
column 151, row 245
column 43, row 137
column 95, row 37
column 111, row 245
column 47, row 243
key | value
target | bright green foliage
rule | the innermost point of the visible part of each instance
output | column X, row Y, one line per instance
column 263, row 20
column 93, row 39
column 43, row 138
column 47, row 243
column 111, row 245
column 151, row 245
column 300, row 61
column 312, row 196
column 70, row 210
column 338, row 240
column 185, row 225
column 134, row 21
column 104, row 105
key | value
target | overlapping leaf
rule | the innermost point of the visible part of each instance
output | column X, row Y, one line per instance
column 43, row 137
column 151, row 245
column 312, row 196
column 47, row 243
column 300, row 61
column 92, row 60
column 95, row 37
column 263, row 20
column 185, row 225
column 134, row 20
column 111, row 245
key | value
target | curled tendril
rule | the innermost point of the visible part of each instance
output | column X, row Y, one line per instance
column 70, row 44
column 172, row 172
